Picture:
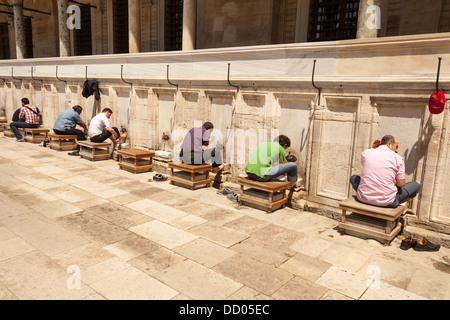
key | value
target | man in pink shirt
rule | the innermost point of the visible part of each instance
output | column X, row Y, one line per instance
column 382, row 182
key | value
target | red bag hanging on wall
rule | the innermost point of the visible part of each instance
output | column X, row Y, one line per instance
column 437, row 102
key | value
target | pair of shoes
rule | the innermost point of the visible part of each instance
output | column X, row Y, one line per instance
column 233, row 196
column 425, row 245
column 75, row 153
column 20, row 140
column 422, row 245
column 407, row 243
column 225, row 191
column 159, row 177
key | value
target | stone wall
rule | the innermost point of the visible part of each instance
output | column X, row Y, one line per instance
column 369, row 88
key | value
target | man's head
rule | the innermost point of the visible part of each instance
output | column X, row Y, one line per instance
column 208, row 126
column 78, row 109
column 108, row 112
column 25, row 101
column 284, row 141
column 391, row 142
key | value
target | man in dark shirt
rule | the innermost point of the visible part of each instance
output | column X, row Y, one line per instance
column 194, row 149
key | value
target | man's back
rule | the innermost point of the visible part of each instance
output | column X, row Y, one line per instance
column 382, row 168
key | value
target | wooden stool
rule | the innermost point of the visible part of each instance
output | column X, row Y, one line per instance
column 36, row 135
column 3, row 122
column 190, row 175
column 269, row 195
column 382, row 224
column 136, row 159
column 94, row 151
column 57, row 142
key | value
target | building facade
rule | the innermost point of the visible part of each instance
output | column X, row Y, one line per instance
column 333, row 75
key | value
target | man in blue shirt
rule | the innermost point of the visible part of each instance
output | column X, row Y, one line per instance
column 66, row 125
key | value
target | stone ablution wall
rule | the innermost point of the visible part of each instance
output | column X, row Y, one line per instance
column 369, row 88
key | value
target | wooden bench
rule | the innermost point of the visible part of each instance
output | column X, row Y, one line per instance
column 366, row 221
column 94, row 151
column 269, row 195
column 136, row 160
column 190, row 175
column 3, row 122
column 62, row 142
column 36, row 135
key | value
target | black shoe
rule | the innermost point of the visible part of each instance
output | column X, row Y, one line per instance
column 75, row 153
column 159, row 177
column 425, row 245
column 408, row 243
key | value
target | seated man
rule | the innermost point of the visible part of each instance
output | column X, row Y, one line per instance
column 66, row 125
column 382, row 182
column 30, row 114
column 100, row 129
column 267, row 162
column 194, row 149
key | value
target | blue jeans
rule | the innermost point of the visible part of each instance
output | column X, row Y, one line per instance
column 276, row 171
column 410, row 190
column 15, row 125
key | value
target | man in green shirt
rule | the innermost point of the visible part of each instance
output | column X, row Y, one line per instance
column 267, row 162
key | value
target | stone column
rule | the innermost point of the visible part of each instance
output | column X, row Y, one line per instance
column 19, row 26
column 134, row 26
column 369, row 19
column 189, row 24
column 64, row 35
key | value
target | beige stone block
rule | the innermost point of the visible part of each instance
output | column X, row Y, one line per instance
column 103, row 269
column 133, row 284
column 344, row 257
column 6, row 234
column 220, row 216
column 383, row 291
column 34, row 276
column 263, row 252
column 94, row 228
column 125, row 199
column 198, row 282
column 300, row 289
column 44, row 234
column 331, row 295
column 83, row 256
column 13, row 247
column 204, row 252
column 5, row 294
column 157, row 260
column 430, row 283
column 156, row 210
column 55, row 209
column 131, row 247
column 11, row 207
column 71, row 194
column 41, row 182
column 279, row 237
column 350, row 284
column 246, row 224
column 111, row 212
column 246, row 293
column 163, row 234
column 305, row 267
column 188, row 221
column 254, row 274
column 311, row 246
column 223, row 236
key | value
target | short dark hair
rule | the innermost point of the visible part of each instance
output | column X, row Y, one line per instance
column 25, row 101
column 283, row 140
column 208, row 125
column 78, row 109
column 107, row 110
column 387, row 139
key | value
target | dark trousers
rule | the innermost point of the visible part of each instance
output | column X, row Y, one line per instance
column 15, row 125
column 213, row 157
column 72, row 132
column 104, row 135
column 409, row 191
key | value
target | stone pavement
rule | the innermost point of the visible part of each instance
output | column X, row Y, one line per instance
column 74, row 229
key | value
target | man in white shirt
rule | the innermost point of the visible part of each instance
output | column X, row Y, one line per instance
column 100, row 129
